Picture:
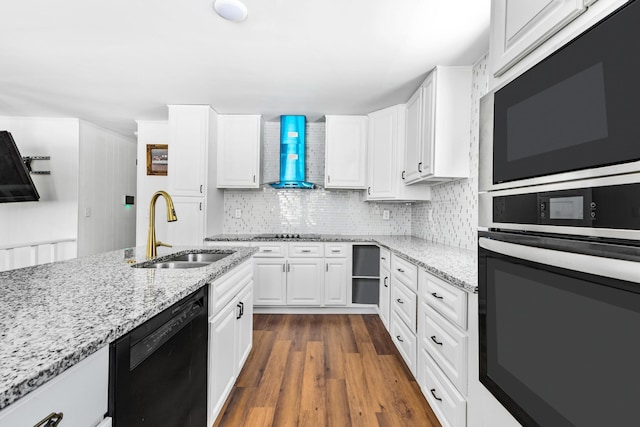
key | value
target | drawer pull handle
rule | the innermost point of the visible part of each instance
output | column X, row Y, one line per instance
column 436, row 295
column 433, row 393
column 335, row 251
column 400, row 270
column 284, row 268
column 306, row 251
column 383, row 258
column 399, row 301
column 385, row 282
column 267, row 250
column 399, row 338
column 433, row 338
column 51, row 420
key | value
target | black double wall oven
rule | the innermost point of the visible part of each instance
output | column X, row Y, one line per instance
column 559, row 236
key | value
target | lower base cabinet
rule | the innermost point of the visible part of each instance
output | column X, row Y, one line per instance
column 230, row 333
column 447, row 403
column 80, row 394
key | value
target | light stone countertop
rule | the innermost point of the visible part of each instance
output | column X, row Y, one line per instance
column 54, row 315
column 457, row 266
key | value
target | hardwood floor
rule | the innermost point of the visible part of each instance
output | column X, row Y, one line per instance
column 324, row 370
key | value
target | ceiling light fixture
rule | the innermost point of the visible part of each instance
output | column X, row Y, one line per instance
column 232, row 10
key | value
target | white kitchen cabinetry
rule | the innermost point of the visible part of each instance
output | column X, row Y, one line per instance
column 385, row 287
column 386, row 139
column 518, row 27
column 191, row 178
column 230, row 333
column 438, row 127
column 443, row 348
column 304, row 281
column 346, row 152
column 271, row 281
column 80, row 393
column 239, row 151
column 336, row 278
column 403, row 325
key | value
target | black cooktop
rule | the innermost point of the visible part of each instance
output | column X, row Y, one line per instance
column 278, row 236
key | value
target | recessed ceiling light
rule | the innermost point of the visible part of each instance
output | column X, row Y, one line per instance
column 233, row 10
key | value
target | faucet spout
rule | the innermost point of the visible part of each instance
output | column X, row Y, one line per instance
column 152, row 243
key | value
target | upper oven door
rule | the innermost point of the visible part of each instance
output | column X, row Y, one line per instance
column 558, row 322
column 574, row 111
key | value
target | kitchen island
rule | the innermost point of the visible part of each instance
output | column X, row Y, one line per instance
column 55, row 315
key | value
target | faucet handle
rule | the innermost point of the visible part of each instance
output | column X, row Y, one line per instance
column 163, row 244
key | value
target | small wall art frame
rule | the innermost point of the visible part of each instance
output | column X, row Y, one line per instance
column 157, row 159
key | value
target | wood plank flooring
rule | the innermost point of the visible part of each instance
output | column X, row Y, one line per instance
column 324, row 370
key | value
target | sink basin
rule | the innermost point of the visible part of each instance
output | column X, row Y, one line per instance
column 199, row 257
column 178, row 264
column 190, row 260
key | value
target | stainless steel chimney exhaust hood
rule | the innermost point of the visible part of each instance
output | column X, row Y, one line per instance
column 292, row 153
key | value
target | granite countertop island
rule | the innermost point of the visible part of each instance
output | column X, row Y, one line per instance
column 458, row 266
column 54, row 315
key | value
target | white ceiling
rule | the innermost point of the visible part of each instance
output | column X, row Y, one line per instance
column 115, row 61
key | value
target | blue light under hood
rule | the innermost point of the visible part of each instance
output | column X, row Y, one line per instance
column 292, row 153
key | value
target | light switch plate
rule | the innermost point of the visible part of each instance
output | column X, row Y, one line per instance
column 238, row 213
column 385, row 214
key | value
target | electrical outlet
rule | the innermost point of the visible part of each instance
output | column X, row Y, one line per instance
column 87, row 212
column 385, row 214
column 238, row 213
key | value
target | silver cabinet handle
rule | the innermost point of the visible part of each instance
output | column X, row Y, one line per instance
column 399, row 301
column 288, row 267
column 335, row 251
column 328, row 178
column 284, row 268
column 433, row 393
column 267, row 250
column 51, row 420
column 433, row 338
column 305, row 251
column 254, row 179
column 326, row 267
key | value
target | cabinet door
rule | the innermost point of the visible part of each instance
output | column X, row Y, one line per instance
column 188, row 146
column 335, row 281
column 345, row 152
column 385, row 295
column 413, row 134
column 382, row 154
column 239, row 151
column 425, row 166
column 304, row 281
column 245, row 325
column 518, row 27
column 222, row 357
column 188, row 230
column 270, row 281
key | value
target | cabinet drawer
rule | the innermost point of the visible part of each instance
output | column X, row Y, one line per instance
column 404, row 303
column 405, row 341
column 385, row 259
column 448, row 300
column 223, row 289
column 446, row 344
column 80, row 393
column 447, row 403
column 405, row 271
column 306, row 250
column 270, row 250
column 336, row 250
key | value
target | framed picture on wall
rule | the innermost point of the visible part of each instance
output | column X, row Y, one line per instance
column 157, row 159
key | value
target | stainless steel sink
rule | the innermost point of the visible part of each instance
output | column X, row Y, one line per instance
column 177, row 264
column 189, row 260
column 199, row 257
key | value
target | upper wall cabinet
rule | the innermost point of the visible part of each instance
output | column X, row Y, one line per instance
column 346, row 152
column 239, row 151
column 386, row 157
column 438, row 127
column 189, row 140
column 518, row 27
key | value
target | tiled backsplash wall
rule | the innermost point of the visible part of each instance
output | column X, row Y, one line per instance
column 307, row 211
column 451, row 217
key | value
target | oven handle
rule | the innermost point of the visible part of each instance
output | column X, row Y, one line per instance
column 599, row 266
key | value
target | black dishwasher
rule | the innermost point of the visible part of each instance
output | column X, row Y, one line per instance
column 158, row 371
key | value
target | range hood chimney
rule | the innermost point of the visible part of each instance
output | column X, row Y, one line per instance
column 292, row 153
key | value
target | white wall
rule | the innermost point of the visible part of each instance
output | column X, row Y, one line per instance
column 149, row 132
column 107, row 174
column 55, row 215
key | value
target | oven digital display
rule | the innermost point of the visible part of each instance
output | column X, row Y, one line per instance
column 566, row 207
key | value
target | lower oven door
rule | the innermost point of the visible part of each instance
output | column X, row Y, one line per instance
column 558, row 323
